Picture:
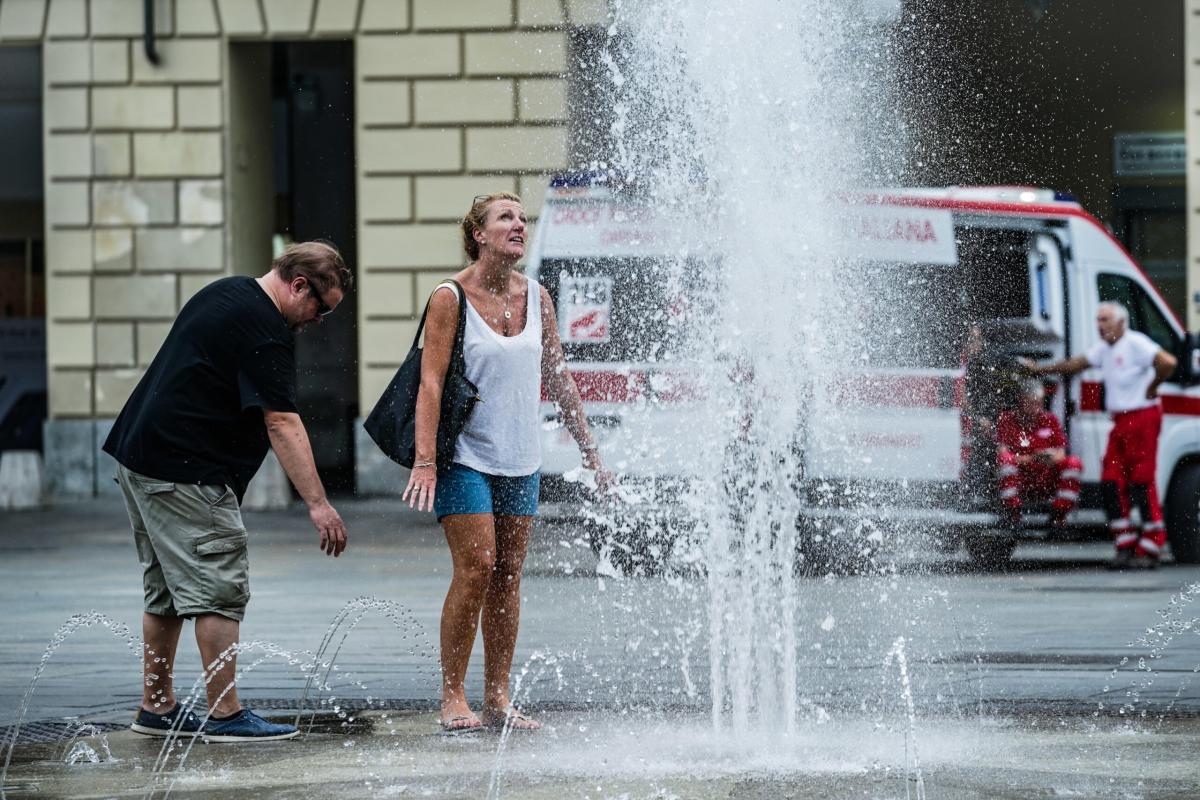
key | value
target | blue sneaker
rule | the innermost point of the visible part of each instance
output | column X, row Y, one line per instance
column 246, row 726
column 151, row 724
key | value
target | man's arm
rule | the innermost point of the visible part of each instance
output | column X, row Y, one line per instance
column 1164, row 367
column 1067, row 367
column 290, row 442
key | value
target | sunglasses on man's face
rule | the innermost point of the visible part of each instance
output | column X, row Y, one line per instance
column 323, row 309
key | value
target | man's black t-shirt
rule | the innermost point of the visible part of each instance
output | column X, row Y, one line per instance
column 197, row 414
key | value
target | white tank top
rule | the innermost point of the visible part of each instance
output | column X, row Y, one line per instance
column 502, row 437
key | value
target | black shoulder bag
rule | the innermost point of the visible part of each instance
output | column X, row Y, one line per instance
column 392, row 423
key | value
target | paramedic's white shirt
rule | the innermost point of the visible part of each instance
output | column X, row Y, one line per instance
column 1128, row 368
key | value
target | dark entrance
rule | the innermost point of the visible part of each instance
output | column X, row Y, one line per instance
column 312, row 120
column 1152, row 224
column 22, row 254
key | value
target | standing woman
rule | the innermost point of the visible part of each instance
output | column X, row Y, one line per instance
column 487, row 500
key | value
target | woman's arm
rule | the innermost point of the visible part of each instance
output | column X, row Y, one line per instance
column 561, row 388
column 440, row 327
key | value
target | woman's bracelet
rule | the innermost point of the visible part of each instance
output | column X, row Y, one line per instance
column 418, row 464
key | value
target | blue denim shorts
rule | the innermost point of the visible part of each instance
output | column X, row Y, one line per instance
column 463, row 490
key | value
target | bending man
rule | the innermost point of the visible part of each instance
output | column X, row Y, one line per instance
column 195, row 430
column 1133, row 367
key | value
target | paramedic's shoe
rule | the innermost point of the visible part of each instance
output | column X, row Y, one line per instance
column 1122, row 560
column 1143, row 562
column 246, row 726
column 148, row 723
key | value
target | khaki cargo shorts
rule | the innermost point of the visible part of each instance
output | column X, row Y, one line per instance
column 192, row 545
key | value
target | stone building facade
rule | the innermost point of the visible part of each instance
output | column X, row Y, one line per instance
column 144, row 165
column 156, row 176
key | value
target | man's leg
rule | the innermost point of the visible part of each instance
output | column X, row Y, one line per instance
column 160, row 638
column 1009, row 475
column 1143, row 492
column 215, row 636
column 160, row 624
column 1066, row 497
column 1115, row 493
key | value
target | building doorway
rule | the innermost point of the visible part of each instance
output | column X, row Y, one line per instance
column 292, row 142
column 23, row 406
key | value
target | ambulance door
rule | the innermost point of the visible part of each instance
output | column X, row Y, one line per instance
column 1048, row 311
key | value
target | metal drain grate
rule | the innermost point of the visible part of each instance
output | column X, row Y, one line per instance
column 34, row 732
column 346, row 704
column 1052, row 659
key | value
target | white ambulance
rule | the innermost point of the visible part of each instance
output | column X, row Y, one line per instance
column 1032, row 266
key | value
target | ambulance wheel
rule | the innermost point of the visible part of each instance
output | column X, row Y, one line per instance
column 1183, row 515
column 829, row 547
column 634, row 551
column 991, row 552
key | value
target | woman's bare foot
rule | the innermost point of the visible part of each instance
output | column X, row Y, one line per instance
column 501, row 716
column 457, row 716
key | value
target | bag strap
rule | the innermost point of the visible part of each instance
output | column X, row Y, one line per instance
column 460, row 330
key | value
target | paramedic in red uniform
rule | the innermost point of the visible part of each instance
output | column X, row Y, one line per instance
column 1133, row 367
column 1032, row 461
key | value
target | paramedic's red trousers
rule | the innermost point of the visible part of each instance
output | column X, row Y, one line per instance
column 1130, row 462
column 1037, row 480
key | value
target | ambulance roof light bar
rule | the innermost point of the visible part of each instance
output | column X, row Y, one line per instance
column 599, row 183
column 1006, row 194
column 986, row 194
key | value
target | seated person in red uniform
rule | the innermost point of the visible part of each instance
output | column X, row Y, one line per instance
column 1033, row 461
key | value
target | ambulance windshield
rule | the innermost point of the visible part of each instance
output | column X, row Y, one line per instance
column 916, row 316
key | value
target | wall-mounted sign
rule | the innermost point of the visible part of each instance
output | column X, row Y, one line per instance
column 1149, row 154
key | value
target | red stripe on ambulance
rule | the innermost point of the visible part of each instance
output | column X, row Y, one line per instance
column 1180, row 404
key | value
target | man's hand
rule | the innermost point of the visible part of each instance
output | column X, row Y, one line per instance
column 1164, row 368
column 290, row 442
column 328, row 523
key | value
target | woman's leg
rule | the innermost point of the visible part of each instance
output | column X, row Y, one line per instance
column 472, row 540
column 502, row 615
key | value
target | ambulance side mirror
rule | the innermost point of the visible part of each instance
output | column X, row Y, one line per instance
column 1187, row 373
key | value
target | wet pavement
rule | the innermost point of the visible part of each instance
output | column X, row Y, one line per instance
column 626, row 757
column 1026, row 683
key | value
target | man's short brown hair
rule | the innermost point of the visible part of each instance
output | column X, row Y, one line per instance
column 318, row 261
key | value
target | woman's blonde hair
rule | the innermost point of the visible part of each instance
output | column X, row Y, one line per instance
column 476, row 218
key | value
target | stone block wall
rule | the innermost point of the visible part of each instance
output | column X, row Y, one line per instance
column 453, row 99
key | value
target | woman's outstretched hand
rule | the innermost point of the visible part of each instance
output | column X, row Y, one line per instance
column 605, row 479
column 421, row 484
